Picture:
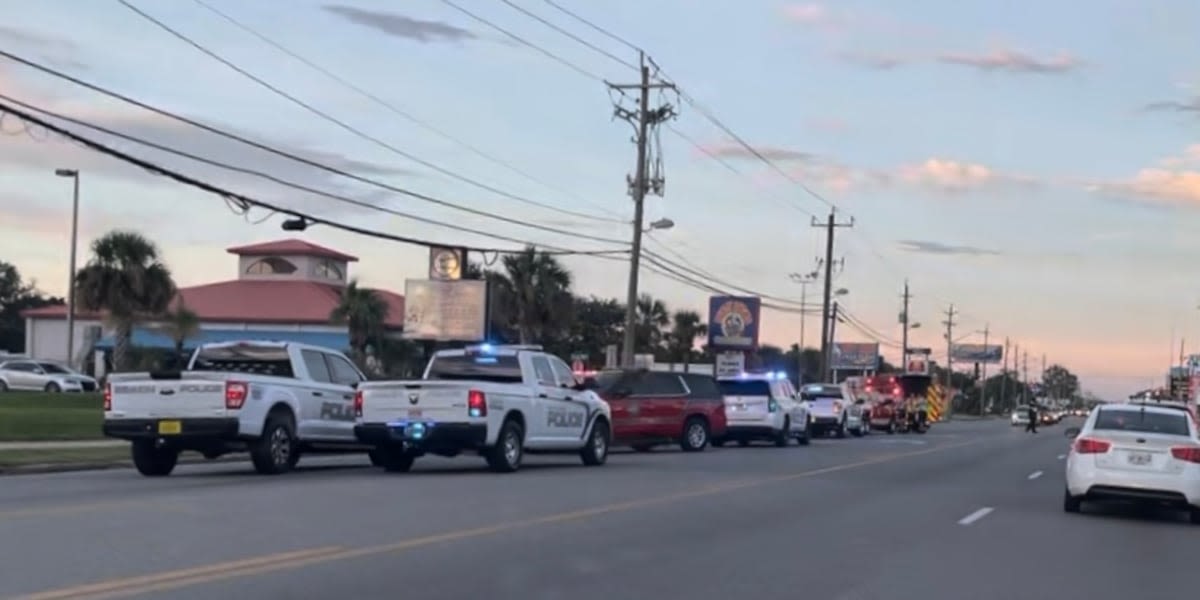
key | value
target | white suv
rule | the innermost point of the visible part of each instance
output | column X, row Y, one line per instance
column 762, row 406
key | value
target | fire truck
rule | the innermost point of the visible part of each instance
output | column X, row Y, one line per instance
column 899, row 402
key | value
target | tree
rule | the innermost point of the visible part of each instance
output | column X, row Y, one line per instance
column 180, row 324
column 364, row 314
column 809, row 358
column 533, row 296
column 599, row 322
column 1059, row 382
column 686, row 327
column 126, row 279
column 652, row 317
column 16, row 296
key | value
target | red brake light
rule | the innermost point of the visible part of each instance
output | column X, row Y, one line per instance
column 358, row 403
column 235, row 394
column 107, row 397
column 476, row 404
column 1091, row 446
column 1188, row 453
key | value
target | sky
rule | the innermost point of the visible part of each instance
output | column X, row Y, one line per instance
column 1035, row 165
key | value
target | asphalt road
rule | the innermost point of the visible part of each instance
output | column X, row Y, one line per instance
column 957, row 513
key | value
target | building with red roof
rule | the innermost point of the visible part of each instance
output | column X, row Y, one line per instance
column 285, row 290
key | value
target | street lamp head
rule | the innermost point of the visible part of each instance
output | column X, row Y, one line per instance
column 66, row 172
column 663, row 223
column 914, row 326
column 841, row 292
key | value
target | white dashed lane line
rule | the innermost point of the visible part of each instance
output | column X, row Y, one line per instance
column 975, row 516
column 1061, row 456
column 1035, row 475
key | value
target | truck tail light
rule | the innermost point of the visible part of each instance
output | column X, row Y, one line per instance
column 476, row 403
column 1186, row 453
column 107, row 397
column 358, row 403
column 1091, row 446
column 235, row 394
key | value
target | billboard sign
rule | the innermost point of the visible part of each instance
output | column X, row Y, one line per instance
column 733, row 322
column 855, row 356
column 977, row 353
column 444, row 310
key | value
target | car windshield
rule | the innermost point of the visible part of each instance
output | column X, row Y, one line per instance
column 1142, row 421
column 53, row 368
column 745, row 388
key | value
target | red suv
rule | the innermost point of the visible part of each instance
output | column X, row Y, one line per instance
column 651, row 408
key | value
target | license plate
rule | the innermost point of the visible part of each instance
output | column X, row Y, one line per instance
column 1140, row 458
column 170, row 427
column 415, row 413
column 739, row 407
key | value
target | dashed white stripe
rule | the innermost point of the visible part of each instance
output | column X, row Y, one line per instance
column 1035, row 475
column 975, row 516
column 1061, row 456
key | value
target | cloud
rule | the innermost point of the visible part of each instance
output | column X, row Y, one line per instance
column 947, row 175
column 401, row 26
column 1174, row 182
column 930, row 247
column 871, row 60
column 1187, row 106
column 738, row 151
column 1014, row 62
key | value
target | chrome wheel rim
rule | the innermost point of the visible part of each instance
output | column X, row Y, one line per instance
column 281, row 447
column 512, row 449
column 599, row 445
column 696, row 437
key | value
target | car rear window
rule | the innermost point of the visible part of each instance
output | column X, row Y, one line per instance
column 745, row 388
column 245, row 358
column 703, row 386
column 1142, row 421
column 493, row 368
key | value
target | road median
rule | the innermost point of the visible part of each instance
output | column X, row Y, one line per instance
column 58, row 457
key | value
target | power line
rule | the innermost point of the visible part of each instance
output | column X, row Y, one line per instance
column 250, row 201
column 281, row 153
column 414, row 120
column 610, row 35
column 348, row 127
column 582, row 41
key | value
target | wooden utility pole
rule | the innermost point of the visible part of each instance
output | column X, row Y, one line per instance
column 830, row 225
column 983, row 375
column 640, row 184
column 949, row 323
column 904, row 321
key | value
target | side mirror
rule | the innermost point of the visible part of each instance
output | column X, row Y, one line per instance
column 1071, row 432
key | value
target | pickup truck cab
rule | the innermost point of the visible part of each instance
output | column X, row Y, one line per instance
column 273, row 399
column 498, row 401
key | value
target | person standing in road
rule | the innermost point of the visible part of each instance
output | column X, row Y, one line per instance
column 1033, row 420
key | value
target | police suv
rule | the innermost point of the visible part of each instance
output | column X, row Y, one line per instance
column 498, row 401
column 274, row 399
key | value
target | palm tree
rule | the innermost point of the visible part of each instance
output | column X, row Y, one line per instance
column 364, row 312
column 652, row 318
column 686, row 327
column 534, row 295
column 180, row 324
column 126, row 279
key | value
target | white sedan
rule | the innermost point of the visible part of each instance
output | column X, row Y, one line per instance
column 1135, row 453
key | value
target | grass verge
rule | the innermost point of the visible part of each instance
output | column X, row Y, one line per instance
column 41, row 416
column 14, row 459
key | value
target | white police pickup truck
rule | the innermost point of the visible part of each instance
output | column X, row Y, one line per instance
column 274, row 399
column 498, row 401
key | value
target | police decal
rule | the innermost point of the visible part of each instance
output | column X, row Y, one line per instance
column 560, row 418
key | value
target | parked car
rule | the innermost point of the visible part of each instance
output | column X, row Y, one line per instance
column 276, row 400
column 651, row 408
column 763, row 406
column 834, row 409
column 1020, row 416
column 43, row 375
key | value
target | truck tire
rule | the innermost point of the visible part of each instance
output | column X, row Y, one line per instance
column 891, row 426
column 151, row 460
column 506, row 455
column 695, row 435
column 841, row 428
column 396, row 460
column 805, row 438
column 275, row 452
column 595, row 452
column 785, row 433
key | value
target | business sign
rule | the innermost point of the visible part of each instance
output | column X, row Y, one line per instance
column 730, row 364
column 855, row 356
column 917, row 365
column 447, row 264
column 977, row 353
column 733, row 322
column 445, row 310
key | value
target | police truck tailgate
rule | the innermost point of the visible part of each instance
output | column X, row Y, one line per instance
column 432, row 400
column 195, row 395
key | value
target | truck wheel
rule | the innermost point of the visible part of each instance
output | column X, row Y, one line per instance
column 275, row 452
column 595, row 452
column 842, row 430
column 153, row 461
column 396, row 460
column 785, row 434
column 695, row 435
column 891, row 427
column 806, row 436
column 53, row 388
column 505, row 456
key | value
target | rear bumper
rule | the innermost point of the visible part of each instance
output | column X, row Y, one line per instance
column 825, row 422
column 736, row 431
column 195, row 429
column 436, row 436
column 1093, row 483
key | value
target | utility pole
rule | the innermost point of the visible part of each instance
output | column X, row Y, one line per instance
column 830, row 226
column 1004, row 377
column 904, row 321
column 1025, row 370
column 949, row 323
column 640, row 184
column 983, row 375
column 828, row 359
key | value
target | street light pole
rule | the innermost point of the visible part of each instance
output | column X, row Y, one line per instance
column 74, row 175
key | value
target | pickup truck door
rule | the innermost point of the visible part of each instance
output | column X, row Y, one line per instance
column 327, row 398
column 559, row 418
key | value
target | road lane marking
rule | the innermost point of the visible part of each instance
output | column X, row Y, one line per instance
column 74, row 509
column 1061, row 456
column 1035, row 475
column 975, row 516
column 170, row 580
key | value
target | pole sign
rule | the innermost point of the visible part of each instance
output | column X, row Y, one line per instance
column 977, row 353
column 733, row 322
column 917, row 361
column 730, row 364
column 446, row 264
column 855, row 356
